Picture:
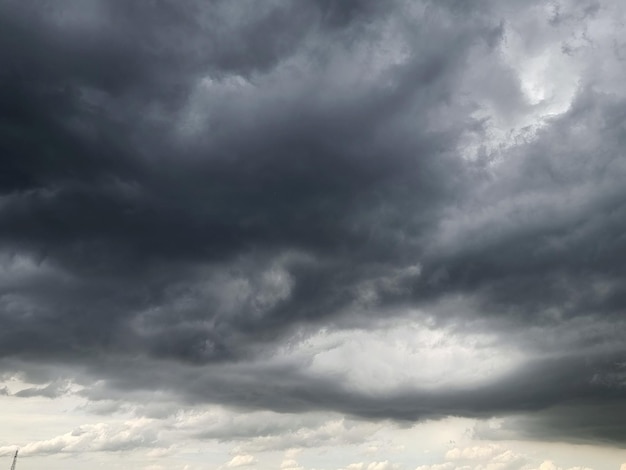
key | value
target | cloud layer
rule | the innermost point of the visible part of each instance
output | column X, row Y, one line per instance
column 404, row 212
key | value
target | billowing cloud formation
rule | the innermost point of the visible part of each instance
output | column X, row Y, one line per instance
column 404, row 212
column 241, row 461
column 99, row 437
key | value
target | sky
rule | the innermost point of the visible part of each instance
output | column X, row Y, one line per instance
column 313, row 234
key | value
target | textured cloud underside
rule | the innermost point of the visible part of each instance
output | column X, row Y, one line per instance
column 405, row 212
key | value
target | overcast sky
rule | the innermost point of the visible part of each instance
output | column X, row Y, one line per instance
column 313, row 234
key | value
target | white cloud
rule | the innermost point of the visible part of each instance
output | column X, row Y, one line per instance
column 241, row 461
column 355, row 466
column 289, row 464
column 381, row 465
column 289, row 460
column 133, row 434
column 385, row 465
column 550, row 465
column 383, row 359
column 486, row 457
column 492, row 456
column 439, row 466
column 472, row 453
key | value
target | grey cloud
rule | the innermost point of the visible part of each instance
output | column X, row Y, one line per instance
column 110, row 216
column 549, row 224
column 582, row 381
column 52, row 390
column 564, row 423
column 186, row 187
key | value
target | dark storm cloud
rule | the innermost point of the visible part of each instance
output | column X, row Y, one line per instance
column 541, row 395
column 125, row 213
column 550, row 224
column 189, row 183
